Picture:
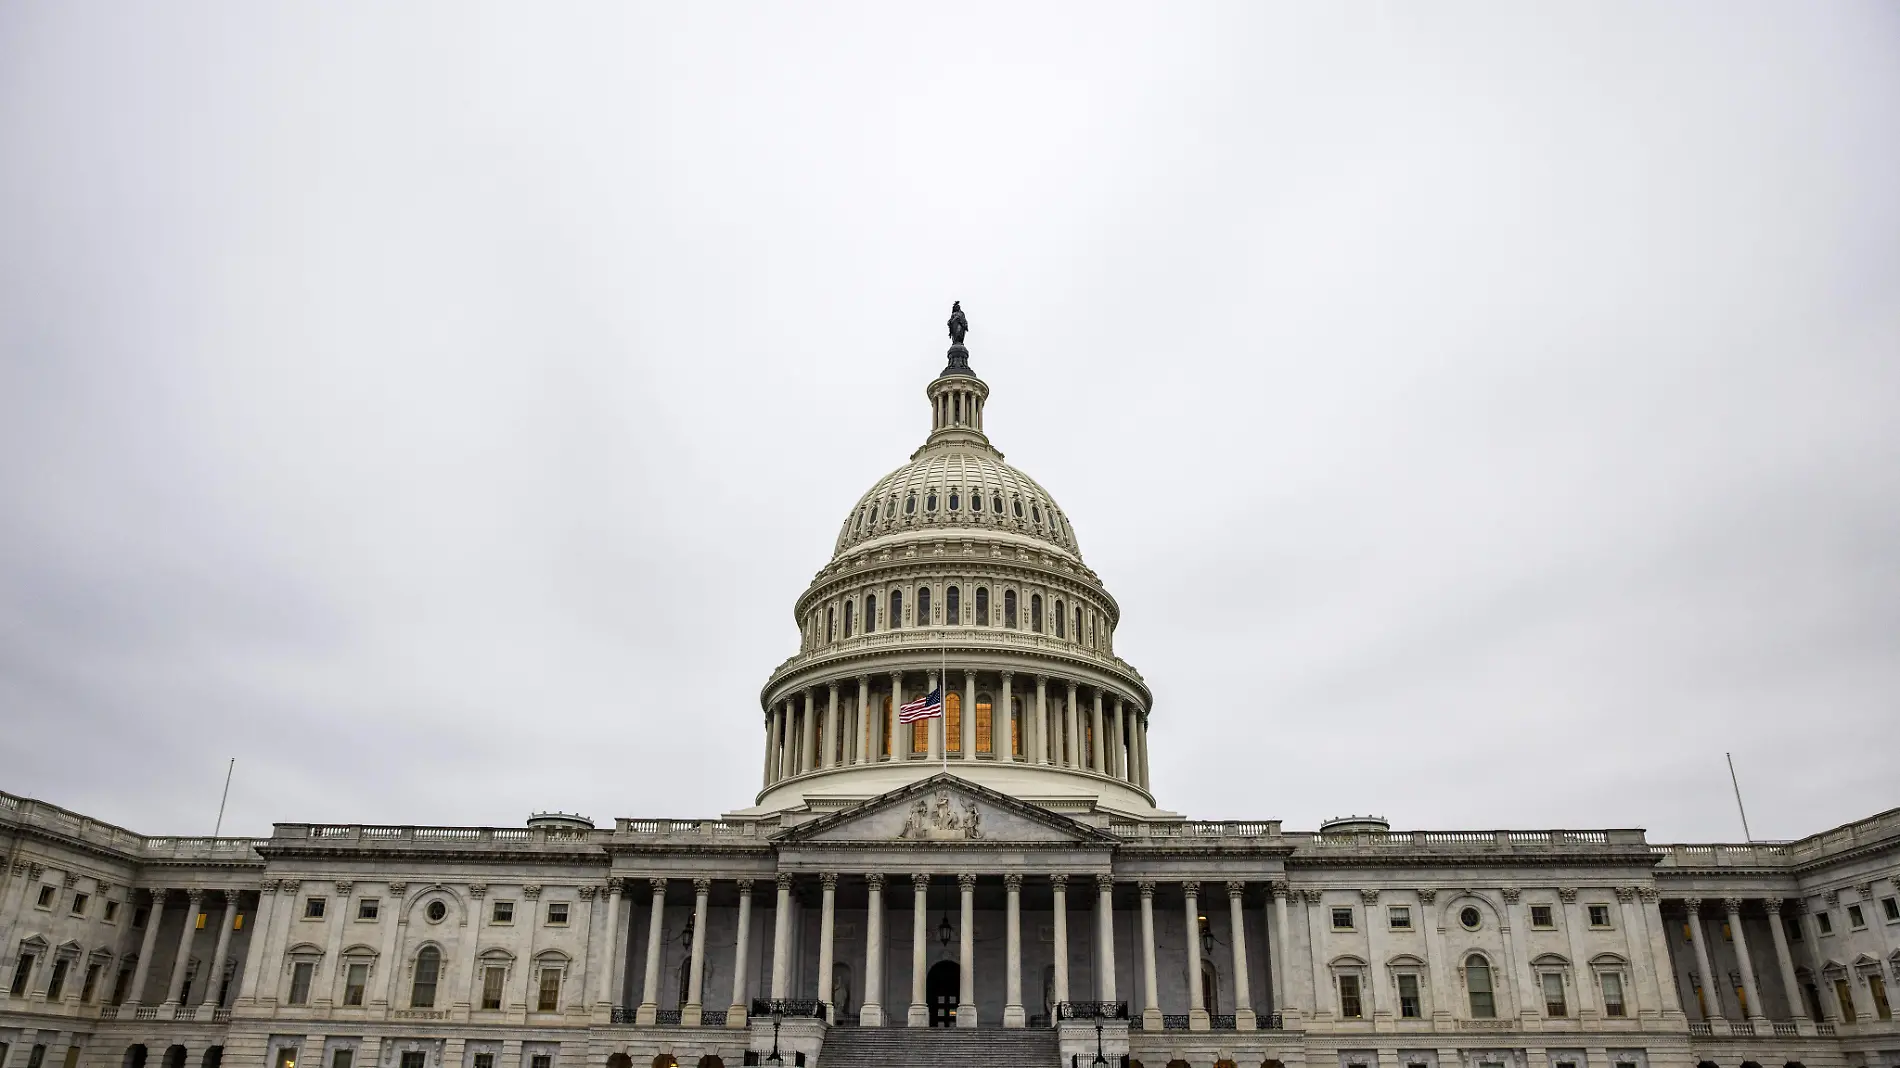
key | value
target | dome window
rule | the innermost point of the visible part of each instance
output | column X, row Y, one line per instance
column 1019, row 507
column 874, row 515
column 1009, row 609
column 996, row 503
column 976, row 502
column 1062, row 630
column 1035, row 512
column 982, row 606
column 910, row 505
column 870, row 613
column 955, row 499
column 1035, row 612
column 849, row 613
column 923, row 606
column 930, row 501
column 895, row 620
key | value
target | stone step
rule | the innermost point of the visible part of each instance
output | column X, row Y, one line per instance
column 943, row 1047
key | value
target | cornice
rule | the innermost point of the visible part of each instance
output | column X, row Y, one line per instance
column 291, row 849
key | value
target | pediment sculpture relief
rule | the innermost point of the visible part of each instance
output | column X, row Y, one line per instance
column 942, row 821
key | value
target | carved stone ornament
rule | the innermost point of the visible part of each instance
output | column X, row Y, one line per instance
column 1511, row 894
column 1426, row 896
column 828, row 880
column 1567, row 894
column 1626, row 894
column 1236, row 888
column 1773, row 905
column 702, row 887
column 744, row 885
column 1370, row 897
column 1648, row 893
column 1314, row 897
column 783, row 878
column 1191, row 888
column 875, row 880
column 397, row 890
column 942, row 821
column 477, row 890
column 1147, row 888
column 1060, row 882
column 1833, row 898
column 1013, row 882
column 1732, row 905
column 343, row 888
column 1693, row 904
column 531, row 891
column 966, row 882
column 587, row 892
column 72, row 879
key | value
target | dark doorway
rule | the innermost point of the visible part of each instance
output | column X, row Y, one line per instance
column 940, row 990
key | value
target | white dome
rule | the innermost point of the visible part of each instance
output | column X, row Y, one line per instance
column 955, row 485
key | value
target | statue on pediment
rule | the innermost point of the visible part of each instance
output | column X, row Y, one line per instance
column 943, row 821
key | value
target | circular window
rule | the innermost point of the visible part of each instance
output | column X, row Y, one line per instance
column 435, row 911
column 1470, row 918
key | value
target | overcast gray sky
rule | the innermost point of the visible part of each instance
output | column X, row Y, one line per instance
column 1486, row 414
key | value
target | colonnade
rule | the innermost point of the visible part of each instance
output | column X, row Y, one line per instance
column 916, row 1013
column 181, row 960
column 1051, row 722
column 1835, row 993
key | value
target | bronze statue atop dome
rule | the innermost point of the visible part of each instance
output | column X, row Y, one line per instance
column 959, row 326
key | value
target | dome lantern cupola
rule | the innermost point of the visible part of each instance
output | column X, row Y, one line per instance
column 957, row 395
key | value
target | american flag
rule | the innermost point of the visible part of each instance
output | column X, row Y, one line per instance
column 929, row 706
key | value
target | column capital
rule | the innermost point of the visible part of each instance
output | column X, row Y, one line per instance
column 1693, row 904
column 1648, row 893
column 1773, row 905
column 966, row 882
column 1313, row 897
column 1865, row 890
column 1059, row 880
column 230, row 896
column 1104, row 882
column 1191, row 887
column 784, row 880
column 615, row 888
column 1732, row 906
column 1276, row 888
column 196, row 894
column 832, row 685
column 874, row 880
column 658, row 886
column 1626, row 894
column 1013, row 881
column 1511, row 894
column 920, row 881
column 1236, row 888
column 1427, row 895
column 476, row 890
column 343, row 888
column 588, row 891
column 745, row 887
column 1370, row 897
column 828, row 880
column 396, row 890
column 532, row 891
column 1009, row 674
column 702, row 886
column 1567, row 894
column 268, row 886
column 1832, row 897
column 1147, row 888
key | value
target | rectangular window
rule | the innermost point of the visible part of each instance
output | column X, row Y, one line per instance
column 1854, row 918
column 1823, row 924
column 550, row 1000
column 1349, row 997
column 504, row 912
column 1554, row 1004
column 22, row 971
column 415, row 1059
column 1540, row 917
column 112, row 912
column 953, row 723
column 354, row 981
column 1400, row 917
column 300, row 982
column 119, row 984
column 342, row 1058
column 1890, row 908
column 36, row 1058
column 1846, row 998
column 983, row 727
column 484, row 1060
column 1599, row 915
column 540, row 1060
column 491, row 987
column 286, row 1057
column 1342, row 921
column 1408, row 996
column 79, row 903
column 57, row 984
column 557, row 914
column 1612, row 994
column 91, row 985
column 48, row 894
column 313, row 908
column 1877, row 986
column 368, row 908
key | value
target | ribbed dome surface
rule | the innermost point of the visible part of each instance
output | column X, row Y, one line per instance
column 957, row 486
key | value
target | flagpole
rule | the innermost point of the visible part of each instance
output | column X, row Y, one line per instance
column 943, row 689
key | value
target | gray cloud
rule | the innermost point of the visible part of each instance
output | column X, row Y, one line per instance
column 1483, row 416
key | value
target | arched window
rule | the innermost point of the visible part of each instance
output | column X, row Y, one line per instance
column 955, row 498
column 1478, row 985
column 952, row 606
column 849, row 607
column 923, row 606
column 910, row 504
column 1091, row 630
column 996, row 503
column 428, row 969
column 1078, row 624
column 1035, row 612
column 1062, row 627
column 896, row 619
column 870, row 613
column 976, row 501
column 1018, row 502
column 930, row 501
column 874, row 515
column 1035, row 513
column 1009, row 609
column 982, row 606
column 1016, row 726
column 984, row 723
column 953, row 723
column 831, row 624
column 920, row 736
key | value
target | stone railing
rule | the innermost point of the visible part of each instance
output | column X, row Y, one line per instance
column 26, row 812
column 1197, row 829
column 1884, row 827
column 1092, row 1010
column 1558, row 841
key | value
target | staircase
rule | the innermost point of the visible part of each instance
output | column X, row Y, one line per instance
column 939, row 1047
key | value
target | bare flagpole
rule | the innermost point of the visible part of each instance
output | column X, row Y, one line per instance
column 228, row 768
column 943, row 696
column 1737, row 783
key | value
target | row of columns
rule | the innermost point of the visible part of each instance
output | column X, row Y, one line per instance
column 873, row 1013
column 1731, row 908
column 175, row 986
column 819, row 728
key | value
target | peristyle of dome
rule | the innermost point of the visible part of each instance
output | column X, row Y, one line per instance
column 957, row 579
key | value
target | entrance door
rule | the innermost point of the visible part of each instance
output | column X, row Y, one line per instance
column 940, row 990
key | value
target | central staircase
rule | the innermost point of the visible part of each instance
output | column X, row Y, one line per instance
column 939, row 1047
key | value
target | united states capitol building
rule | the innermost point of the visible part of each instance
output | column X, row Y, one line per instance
column 999, row 885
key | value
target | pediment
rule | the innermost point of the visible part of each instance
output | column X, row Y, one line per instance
column 945, row 809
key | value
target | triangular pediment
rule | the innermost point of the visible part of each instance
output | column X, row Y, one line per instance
column 947, row 809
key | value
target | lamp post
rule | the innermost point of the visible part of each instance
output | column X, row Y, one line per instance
column 1099, row 1059
column 775, row 1057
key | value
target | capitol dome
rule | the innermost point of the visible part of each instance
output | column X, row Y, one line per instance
column 956, row 624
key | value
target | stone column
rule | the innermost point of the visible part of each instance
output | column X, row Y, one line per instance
column 808, row 735
column 893, row 730
column 782, row 938
column 741, row 945
column 1060, row 884
column 867, row 723
column 392, row 937
column 771, row 746
column 966, row 951
column 1144, row 753
column 1377, row 1002
column 254, row 950
column 215, row 974
column 147, row 947
column 1711, row 990
column 1013, row 1015
column 969, row 723
column 1797, row 1009
column 650, row 981
column 1072, row 729
column 1237, row 924
column 1435, row 961
column 177, row 985
column 1580, row 964
column 871, row 1013
column 1659, row 949
column 1105, row 936
column 1003, row 737
column 1529, row 997
column 609, row 950
column 919, row 910
column 1197, row 1013
column 1150, row 991
column 1733, row 906
column 694, row 1009
column 1098, row 751
column 786, row 754
column 1117, row 755
column 1039, row 723
column 827, row 927
column 829, row 756
column 1315, row 949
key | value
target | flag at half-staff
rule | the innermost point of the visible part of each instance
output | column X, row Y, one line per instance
column 929, row 706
